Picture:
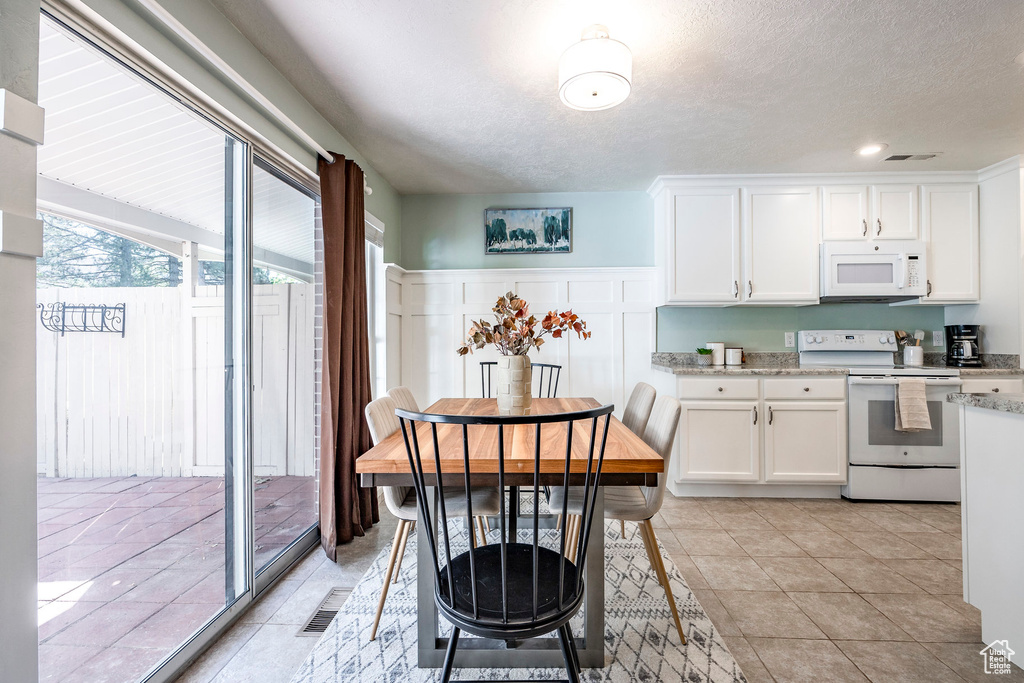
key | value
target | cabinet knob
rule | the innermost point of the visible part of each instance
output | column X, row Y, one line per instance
column 723, row 389
column 807, row 388
column 995, row 390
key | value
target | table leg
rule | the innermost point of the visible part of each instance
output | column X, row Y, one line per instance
column 426, row 626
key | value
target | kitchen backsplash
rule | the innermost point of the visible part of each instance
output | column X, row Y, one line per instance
column 762, row 329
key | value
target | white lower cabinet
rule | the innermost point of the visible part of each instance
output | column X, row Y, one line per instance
column 720, row 441
column 805, row 441
column 723, row 440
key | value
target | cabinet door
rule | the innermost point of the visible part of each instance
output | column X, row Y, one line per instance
column 805, row 441
column 781, row 228
column 704, row 246
column 949, row 217
column 992, row 385
column 893, row 212
column 844, row 212
column 719, row 441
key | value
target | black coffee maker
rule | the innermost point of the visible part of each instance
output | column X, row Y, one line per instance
column 962, row 348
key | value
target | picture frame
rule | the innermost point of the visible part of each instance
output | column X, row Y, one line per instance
column 528, row 231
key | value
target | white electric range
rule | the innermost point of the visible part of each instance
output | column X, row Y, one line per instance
column 886, row 464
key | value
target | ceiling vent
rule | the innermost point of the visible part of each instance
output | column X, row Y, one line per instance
column 910, row 157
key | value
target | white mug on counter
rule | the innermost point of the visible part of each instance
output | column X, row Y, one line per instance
column 734, row 356
column 717, row 352
column 913, row 355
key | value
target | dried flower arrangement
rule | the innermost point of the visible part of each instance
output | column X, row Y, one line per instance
column 516, row 331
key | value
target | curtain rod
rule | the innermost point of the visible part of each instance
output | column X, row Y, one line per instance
column 193, row 41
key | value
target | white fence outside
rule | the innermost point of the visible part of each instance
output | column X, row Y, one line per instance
column 152, row 403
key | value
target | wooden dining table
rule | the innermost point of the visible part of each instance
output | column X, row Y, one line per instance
column 628, row 461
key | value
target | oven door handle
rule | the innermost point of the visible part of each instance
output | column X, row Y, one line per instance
column 893, row 381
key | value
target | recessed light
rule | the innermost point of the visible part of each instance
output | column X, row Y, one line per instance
column 873, row 148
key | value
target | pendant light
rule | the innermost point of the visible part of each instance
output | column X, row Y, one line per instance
column 595, row 73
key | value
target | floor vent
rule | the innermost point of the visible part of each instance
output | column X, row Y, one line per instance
column 910, row 157
column 325, row 613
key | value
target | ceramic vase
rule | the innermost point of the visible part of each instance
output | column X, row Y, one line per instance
column 513, row 385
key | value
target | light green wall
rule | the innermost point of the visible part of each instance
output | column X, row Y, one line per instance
column 763, row 329
column 447, row 231
column 213, row 28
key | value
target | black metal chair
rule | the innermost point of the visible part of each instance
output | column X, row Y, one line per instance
column 509, row 590
column 541, row 371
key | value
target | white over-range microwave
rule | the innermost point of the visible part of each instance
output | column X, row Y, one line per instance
column 873, row 272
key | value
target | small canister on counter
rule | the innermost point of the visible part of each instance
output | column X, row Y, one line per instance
column 734, row 356
column 717, row 352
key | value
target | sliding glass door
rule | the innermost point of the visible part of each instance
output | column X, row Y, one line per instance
column 175, row 371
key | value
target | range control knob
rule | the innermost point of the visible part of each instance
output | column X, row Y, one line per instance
column 819, row 339
column 883, row 339
column 892, row 339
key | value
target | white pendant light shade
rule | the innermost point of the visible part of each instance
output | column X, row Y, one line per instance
column 595, row 73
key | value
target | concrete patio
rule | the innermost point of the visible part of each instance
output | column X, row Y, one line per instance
column 130, row 567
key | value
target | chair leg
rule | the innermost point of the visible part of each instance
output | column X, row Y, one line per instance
column 572, row 650
column 449, row 655
column 573, row 533
column 568, row 647
column 660, row 568
column 622, row 527
column 387, row 577
column 650, row 553
column 401, row 551
column 558, row 523
column 487, row 524
column 480, row 528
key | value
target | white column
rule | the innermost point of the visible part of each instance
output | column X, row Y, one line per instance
column 19, row 74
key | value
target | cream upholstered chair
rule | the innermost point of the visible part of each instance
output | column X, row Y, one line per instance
column 638, row 408
column 639, row 503
column 401, row 500
column 404, row 398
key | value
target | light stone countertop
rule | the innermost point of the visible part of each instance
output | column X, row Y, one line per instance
column 1007, row 403
column 787, row 363
column 747, row 369
column 990, row 372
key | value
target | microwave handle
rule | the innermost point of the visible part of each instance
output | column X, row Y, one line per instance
column 902, row 280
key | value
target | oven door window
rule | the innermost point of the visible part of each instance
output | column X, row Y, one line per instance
column 882, row 426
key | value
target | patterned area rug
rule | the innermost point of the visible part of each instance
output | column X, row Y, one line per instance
column 641, row 643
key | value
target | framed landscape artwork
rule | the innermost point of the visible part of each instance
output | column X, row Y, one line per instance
column 528, row 231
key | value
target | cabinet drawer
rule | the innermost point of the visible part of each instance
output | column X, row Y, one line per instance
column 818, row 388
column 718, row 387
column 998, row 385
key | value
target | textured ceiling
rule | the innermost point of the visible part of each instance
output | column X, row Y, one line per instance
column 460, row 96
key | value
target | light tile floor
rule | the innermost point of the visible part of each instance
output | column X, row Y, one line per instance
column 129, row 567
column 802, row 590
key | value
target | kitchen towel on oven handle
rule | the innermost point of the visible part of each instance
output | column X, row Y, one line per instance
column 912, row 405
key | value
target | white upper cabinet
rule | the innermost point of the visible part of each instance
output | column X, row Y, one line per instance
column 893, row 212
column 755, row 243
column 949, row 218
column 704, row 246
column 844, row 210
column 780, row 237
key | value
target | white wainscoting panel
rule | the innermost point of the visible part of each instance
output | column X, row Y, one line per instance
column 430, row 312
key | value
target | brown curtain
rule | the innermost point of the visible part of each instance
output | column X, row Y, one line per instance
column 346, row 509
